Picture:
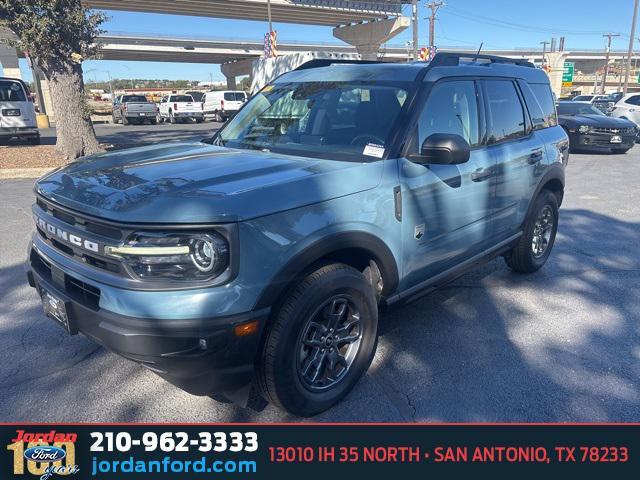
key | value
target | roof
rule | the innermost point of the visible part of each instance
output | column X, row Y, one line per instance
column 442, row 66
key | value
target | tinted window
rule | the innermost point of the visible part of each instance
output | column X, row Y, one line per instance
column 181, row 98
column 134, row 98
column 573, row 108
column 635, row 100
column 583, row 98
column 506, row 116
column 234, row 96
column 543, row 95
column 11, row 91
column 452, row 107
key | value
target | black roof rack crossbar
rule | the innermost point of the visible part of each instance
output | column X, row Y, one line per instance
column 325, row 62
column 447, row 59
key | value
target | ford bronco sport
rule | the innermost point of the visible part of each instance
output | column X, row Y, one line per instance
column 258, row 262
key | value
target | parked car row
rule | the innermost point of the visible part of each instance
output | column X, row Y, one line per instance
column 601, row 123
column 177, row 108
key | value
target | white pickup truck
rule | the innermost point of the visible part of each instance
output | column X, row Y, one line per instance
column 178, row 108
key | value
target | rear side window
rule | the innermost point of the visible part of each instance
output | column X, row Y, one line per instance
column 181, row 98
column 234, row 96
column 134, row 99
column 11, row 91
column 635, row 100
column 506, row 115
column 452, row 107
column 543, row 94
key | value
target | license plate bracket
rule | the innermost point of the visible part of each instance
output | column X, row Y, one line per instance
column 57, row 309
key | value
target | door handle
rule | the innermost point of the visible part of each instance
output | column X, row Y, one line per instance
column 535, row 157
column 480, row 175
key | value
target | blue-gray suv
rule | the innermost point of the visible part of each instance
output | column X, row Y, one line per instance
column 257, row 262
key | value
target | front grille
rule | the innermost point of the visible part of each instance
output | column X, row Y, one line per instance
column 79, row 291
column 85, row 227
column 613, row 131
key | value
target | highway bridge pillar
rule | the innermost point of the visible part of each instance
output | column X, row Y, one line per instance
column 367, row 37
column 9, row 61
column 232, row 70
column 556, row 62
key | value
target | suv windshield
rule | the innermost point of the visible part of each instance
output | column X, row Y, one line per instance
column 318, row 119
column 134, row 99
column 11, row 91
column 571, row 108
column 234, row 96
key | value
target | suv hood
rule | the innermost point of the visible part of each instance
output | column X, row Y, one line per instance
column 200, row 183
column 597, row 121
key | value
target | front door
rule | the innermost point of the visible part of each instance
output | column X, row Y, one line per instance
column 447, row 209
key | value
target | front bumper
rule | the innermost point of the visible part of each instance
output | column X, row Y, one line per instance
column 599, row 142
column 201, row 356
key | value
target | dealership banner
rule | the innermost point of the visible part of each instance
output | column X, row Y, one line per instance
column 307, row 451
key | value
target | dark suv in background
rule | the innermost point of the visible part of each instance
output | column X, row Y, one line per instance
column 261, row 260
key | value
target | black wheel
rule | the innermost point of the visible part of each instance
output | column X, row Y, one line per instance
column 125, row 120
column 321, row 341
column 199, row 120
column 218, row 117
column 534, row 247
column 153, row 121
column 172, row 119
column 620, row 151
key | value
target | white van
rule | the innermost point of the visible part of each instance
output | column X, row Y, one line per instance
column 17, row 114
column 223, row 104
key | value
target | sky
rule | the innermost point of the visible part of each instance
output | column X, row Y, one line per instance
column 462, row 23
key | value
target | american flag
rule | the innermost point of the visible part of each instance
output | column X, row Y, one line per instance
column 270, row 44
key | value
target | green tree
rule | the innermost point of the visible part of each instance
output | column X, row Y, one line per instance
column 58, row 35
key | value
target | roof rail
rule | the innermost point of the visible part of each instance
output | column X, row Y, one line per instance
column 447, row 59
column 325, row 62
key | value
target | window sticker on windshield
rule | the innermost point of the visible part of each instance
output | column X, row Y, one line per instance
column 365, row 95
column 373, row 150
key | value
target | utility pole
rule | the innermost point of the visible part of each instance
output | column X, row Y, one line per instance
column 606, row 60
column 434, row 6
column 414, row 21
column 630, row 51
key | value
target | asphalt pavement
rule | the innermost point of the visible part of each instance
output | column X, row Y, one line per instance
column 559, row 345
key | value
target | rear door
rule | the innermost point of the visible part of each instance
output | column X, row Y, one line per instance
column 233, row 100
column 16, row 109
column 518, row 151
column 447, row 209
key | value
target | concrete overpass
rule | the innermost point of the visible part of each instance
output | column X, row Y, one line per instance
column 311, row 12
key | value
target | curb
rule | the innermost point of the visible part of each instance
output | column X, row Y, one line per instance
column 8, row 173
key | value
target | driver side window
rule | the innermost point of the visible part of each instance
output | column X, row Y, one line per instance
column 452, row 107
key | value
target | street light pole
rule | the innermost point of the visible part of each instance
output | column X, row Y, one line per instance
column 630, row 51
column 414, row 21
column 606, row 60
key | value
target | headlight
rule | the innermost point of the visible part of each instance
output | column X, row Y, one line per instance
column 584, row 129
column 186, row 257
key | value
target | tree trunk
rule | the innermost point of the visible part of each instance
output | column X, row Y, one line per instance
column 74, row 129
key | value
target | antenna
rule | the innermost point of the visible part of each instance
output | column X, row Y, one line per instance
column 479, row 48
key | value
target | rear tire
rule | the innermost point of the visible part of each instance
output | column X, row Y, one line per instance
column 535, row 245
column 321, row 341
column 218, row 117
column 172, row 119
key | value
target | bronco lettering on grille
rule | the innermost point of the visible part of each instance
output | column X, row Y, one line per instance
column 66, row 236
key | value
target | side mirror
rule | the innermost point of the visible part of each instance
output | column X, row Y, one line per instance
column 443, row 149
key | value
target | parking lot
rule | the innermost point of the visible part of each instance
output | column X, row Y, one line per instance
column 560, row 345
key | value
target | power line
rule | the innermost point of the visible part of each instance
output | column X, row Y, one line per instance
column 515, row 26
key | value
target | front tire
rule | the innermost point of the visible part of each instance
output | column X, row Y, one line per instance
column 535, row 244
column 321, row 341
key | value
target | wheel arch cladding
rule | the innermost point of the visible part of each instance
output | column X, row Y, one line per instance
column 352, row 248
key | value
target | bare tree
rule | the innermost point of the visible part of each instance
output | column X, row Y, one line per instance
column 58, row 35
